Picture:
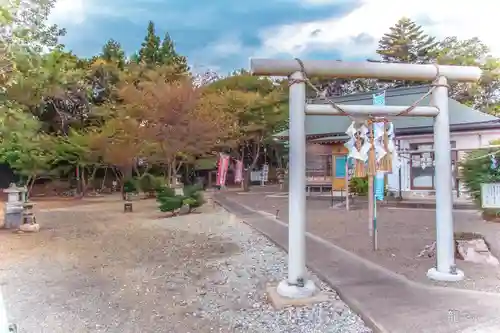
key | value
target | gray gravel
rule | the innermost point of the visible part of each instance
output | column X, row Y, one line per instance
column 242, row 278
column 93, row 269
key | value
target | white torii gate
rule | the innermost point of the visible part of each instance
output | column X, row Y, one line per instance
column 297, row 285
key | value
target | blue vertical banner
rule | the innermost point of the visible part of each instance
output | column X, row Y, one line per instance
column 378, row 181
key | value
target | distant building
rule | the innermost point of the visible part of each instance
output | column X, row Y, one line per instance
column 326, row 154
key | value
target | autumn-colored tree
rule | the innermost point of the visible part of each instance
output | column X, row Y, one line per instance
column 179, row 118
column 121, row 142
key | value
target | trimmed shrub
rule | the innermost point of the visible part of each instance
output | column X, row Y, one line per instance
column 190, row 190
column 164, row 191
column 191, row 202
column 170, row 204
column 198, row 198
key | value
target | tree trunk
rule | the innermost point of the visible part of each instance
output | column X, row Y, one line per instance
column 90, row 179
column 78, row 181
column 84, row 183
column 169, row 174
column 279, row 160
column 126, row 176
column 30, row 183
column 247, row 173
column 104, row 179
column 245, row 183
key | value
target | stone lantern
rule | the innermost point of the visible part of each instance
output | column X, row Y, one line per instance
column 14, row 207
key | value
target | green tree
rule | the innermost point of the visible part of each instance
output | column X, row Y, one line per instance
column 484, row 94
column 24, row 148
column 406, row 42
column 260, row 108
column 113, row 52
column 24, row 34
column 52, row 86
column 169, row 56
column 150, row 48
column 79, row 150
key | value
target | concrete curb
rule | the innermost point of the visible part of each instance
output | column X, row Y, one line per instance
column 254, row 219
column 353, row 304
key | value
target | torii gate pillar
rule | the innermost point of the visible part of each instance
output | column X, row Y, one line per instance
column 445, row 269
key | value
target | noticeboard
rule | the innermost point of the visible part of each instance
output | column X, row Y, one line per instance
column 490, row 195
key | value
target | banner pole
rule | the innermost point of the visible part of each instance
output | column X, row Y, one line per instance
column 375, row 231
column 347, row 183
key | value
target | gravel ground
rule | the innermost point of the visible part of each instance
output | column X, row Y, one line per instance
column 403, row 233
column 94, row 269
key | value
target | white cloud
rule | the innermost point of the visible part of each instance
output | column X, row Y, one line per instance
column 357, row 33
column 70, row 11
column 230, row 45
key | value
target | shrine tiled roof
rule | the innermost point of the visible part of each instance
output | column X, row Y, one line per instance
column 461, row 116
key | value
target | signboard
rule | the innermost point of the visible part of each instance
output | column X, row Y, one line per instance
column 490, row 195
column 264, row 174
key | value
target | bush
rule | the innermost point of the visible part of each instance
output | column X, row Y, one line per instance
column 164, row 191
column 146, row 183
column 190, row 190
column 130, row 186
column 477, row 170
column 191, row 202
column 170, row 204
column 193, row 196
column 198, row 198
column 359, row 185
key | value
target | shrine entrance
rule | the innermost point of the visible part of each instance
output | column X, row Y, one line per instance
column 364, row 144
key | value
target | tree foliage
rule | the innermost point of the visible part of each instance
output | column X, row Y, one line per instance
column 477, row 168
column 406, row 42
column 112, row 52
column 182, row 120
column 145, row 110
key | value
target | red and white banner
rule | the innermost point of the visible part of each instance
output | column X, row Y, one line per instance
column 223, row 166
column 238, row 172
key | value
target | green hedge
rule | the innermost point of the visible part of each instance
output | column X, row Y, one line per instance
column 169, row 201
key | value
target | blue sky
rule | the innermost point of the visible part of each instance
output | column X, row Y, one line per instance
column 223, row 34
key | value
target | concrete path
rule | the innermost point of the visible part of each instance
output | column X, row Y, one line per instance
column 386, row 301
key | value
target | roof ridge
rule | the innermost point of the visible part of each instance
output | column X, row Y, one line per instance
column 390, row 92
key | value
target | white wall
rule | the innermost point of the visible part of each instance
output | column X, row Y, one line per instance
column 463, row 140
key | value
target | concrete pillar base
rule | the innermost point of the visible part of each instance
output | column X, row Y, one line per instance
column 436, row 275
column 279, row 302
column 290, row 291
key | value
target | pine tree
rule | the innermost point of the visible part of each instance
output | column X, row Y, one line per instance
column 170, row 57
column 150, row 48
column 406, row 42
column 112, row 52
column 134, row 58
